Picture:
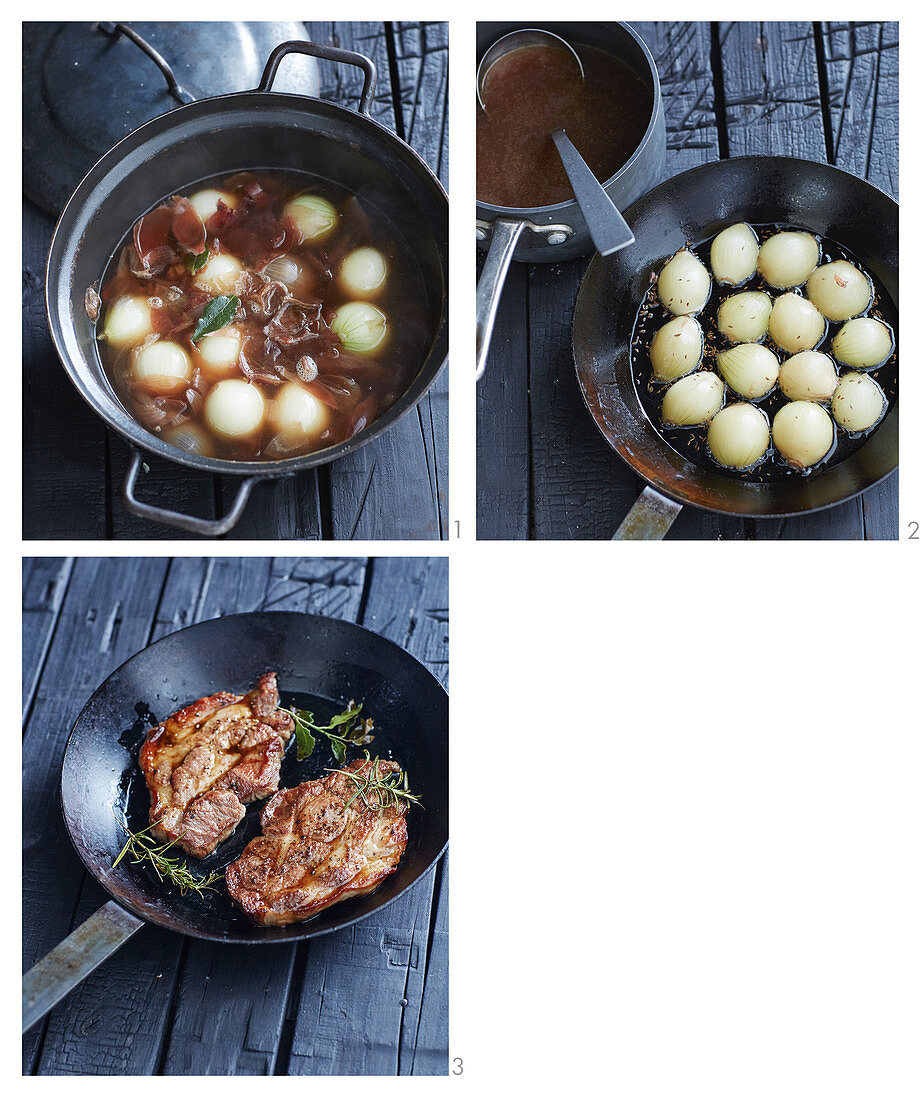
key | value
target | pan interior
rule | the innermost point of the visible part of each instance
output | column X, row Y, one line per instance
column 689, row 209
column 321, row 665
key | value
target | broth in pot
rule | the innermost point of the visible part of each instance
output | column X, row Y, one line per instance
column 260, row 317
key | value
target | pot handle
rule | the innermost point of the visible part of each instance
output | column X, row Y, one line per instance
column 74, row 959
column 506, row 234
column 173, row 85
column 325, row 53
column 179, row 519
column 650, row 517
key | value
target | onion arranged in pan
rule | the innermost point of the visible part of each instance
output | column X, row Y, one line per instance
column 749, row 369
column 786, row 259
column 802, row 433
column 733, row 254
column 693, row 400
column 738, row 436
column 128, row 321
column 795, row 324
column 684, row 284
column 839, row 290
column 677, row 348
column 744, row 318
column 859, row 402
column 864, row 342
column 808, row 376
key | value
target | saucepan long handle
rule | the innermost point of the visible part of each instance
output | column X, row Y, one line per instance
column 651, row 516
column 65, row 967
column 506, row 233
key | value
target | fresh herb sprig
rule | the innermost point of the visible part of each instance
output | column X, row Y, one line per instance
column 218, row 313
column 389, row 788
column 194, row 263
column 142, row 848
column 342, row 730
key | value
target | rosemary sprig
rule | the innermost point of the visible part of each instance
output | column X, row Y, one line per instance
column 389, row 789
column 141, row 847
column 342, row 730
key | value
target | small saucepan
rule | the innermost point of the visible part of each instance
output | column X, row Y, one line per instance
column 320, row 658
column 260, row 129
column 689, row 209
column 549, row 234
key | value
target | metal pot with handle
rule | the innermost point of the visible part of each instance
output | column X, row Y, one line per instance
column 549, row 234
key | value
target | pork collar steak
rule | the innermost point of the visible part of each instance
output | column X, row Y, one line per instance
column 323, row 842
column 204, row 762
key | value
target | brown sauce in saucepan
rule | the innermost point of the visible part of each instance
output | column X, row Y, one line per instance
column 536, row 89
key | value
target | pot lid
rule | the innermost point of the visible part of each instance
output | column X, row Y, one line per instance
column 87, row 85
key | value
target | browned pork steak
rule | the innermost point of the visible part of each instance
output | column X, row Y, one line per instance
column 322, row 843
column 204, row 762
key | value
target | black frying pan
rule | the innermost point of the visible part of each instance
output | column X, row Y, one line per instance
column 690, row 208
column 321, row 664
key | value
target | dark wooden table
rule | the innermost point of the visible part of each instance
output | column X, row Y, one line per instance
column 822, row 91
column 372, row 999
column 394, row 488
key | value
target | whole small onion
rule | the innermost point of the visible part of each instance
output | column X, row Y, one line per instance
column 733, row 254
column 864, row 342
column 677, row 348
column 802, row 432
column 684, row 283
column 744, row 318
column 859, row 402
column 808, row 376
column 795, row 324
column 693, row 400
column 839, row 290
column 750, row 369
column 738, row 436
column 786, row 259
column 189, row 437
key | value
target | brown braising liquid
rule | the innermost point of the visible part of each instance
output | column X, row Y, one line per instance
column 536, row 89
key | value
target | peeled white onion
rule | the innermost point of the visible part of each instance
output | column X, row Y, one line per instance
column 786, row 259
column 744, row 318
column 677, row 348
column 364, row 272
column 162, row 367
column 234, row 408
column 684, row 283
column 218, row 352
column 738, row 436
column 128, row 321
column 297, row 414
column 863, row 342
column 693, row 399
column 859, row 402
column 749, row 369
column 205, row 202
column 802, row 432
column 808, row 376
column 219, row 275
column 839, row 290
column 189, row 437
column 360, row 326
column 314, row 216
column 795, row 324
column 733, row 254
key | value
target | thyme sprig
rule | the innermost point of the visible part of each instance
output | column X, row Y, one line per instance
column 342, row 730
column 141, row 847
column 389, row 789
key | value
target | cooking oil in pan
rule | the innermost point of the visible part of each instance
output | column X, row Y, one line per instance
column 692, row 442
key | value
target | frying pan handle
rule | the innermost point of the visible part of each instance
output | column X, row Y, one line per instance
column 179, row 519
column 325, row 53
column 506, row 233
column 650, row 517
column 66, row 966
